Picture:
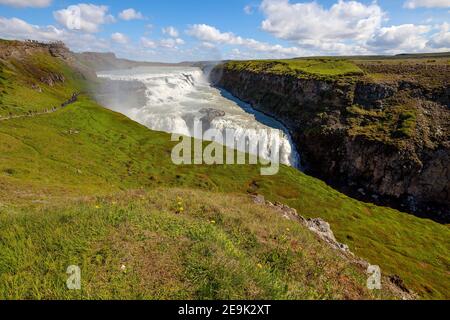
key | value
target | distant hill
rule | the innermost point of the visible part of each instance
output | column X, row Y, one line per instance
column 108, row 61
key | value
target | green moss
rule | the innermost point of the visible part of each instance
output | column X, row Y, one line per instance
column 325, row 68
column 406, row 124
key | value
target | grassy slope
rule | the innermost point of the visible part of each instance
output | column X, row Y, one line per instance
column 17, row 77
column 87, row 150
column 220, row 247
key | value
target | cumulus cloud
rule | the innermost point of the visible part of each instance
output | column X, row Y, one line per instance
column 171, row 31
column 345, row 20
column 413, row 4
column 147, row 43
column 248, row 9
column 27, row 3
column 130, row 14
column 441, row 39
column 84, row 17
column 15, row 28
column 208, row 45
column 169, row 43
column 120, row 38
column 210, row 34
column 402, row 38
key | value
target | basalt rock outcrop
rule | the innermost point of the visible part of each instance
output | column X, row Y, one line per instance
column 385, row 141
column 323, row 231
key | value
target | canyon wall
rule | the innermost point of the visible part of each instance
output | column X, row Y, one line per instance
column 381, row 141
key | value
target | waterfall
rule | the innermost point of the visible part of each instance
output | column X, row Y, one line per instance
column 178, row 96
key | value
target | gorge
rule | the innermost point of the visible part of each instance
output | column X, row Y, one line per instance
column 173, row 98
column 382, row 140
column 379, row 134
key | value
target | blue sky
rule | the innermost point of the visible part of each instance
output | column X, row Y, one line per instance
column 177, row 30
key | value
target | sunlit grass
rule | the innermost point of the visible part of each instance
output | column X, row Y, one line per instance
column 85, row 150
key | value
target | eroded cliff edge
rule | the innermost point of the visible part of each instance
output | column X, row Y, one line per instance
column 380, row 133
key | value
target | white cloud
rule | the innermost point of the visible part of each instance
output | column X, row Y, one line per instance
column 171, row 31
column 208, row 45
column 402, row 38
column 210, row 34
column 130, row 14
column 119, row 38
column 413, row 4
column 441, row 40
column 27, row 3
column 345, row 20
column 147, row 43
column 248, row 9
column 15, row 28
column 170, row 43
column 84, row 17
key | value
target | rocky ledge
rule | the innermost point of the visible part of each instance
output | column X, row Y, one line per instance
column 385, row 141
column 323, row 231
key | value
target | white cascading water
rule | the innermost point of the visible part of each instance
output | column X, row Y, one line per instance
column 177, row 96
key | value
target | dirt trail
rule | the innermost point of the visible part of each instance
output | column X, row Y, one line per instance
column 73, row 99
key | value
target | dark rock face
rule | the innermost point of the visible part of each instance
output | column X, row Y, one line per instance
column 409, row 173
column 52, row 78
column 371, row 95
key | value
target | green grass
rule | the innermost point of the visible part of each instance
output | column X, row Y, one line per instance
column 85, row 150
column 218, row 248
column 328, row 68
column 17, row 78
column 407, row 124
column 41, row 161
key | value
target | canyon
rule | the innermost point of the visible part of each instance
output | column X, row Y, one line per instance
column 379, row 135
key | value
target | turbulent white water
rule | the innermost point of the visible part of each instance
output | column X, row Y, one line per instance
column 177, row 96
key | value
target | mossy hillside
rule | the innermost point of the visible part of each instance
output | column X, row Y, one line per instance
column 23, row 87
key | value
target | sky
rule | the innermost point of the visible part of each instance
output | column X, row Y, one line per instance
column 180, row 30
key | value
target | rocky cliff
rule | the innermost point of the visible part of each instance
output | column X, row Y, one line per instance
column 381, row 136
